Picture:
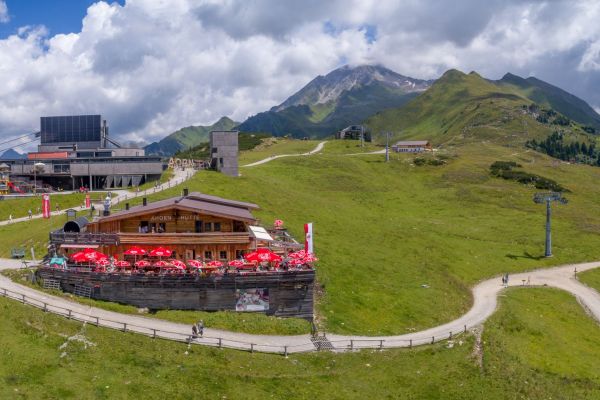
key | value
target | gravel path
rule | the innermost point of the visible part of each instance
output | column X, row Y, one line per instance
column 484, row 294
column 266, row 160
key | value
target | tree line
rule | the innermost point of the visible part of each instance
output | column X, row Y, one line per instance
column 574, row 151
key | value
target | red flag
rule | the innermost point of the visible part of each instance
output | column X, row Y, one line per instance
column 46, row 205
column 88, row 201
column 308, row 243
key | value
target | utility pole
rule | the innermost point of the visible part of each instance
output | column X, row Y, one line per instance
column 547, row 198
column 387, row 147
column 362, row 136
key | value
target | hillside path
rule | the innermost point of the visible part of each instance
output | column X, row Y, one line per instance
column 484, row 294
column 179, row 176
column 266, row 160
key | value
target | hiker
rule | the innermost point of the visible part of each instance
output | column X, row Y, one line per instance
column 10, row 219
column 200, row 328
column 29, row 213
column 194, row 331
column 506, row 280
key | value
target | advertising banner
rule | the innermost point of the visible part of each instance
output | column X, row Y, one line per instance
column 88, row 201
column 46, row 205
column 251, row 299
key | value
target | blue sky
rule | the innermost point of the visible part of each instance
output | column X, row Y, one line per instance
column 58, row 16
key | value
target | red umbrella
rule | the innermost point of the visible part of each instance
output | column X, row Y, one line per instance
column 178, row 264
column 79, row 257
column 214, row 264
column 161, row 252
column 122, row 264
column 310, row 258
column 296, row 262
column 236, row 263
column 298, row 254
column 162, row 264
column 135, row 251
column 103, row 262
column 262, row 254
column 195, row 263
column 88, row 255
column 143, row 263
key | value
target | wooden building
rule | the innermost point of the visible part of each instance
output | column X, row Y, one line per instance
column 412, row 146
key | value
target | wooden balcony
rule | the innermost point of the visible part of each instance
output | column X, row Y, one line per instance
column 166, row 239
column 60, row 237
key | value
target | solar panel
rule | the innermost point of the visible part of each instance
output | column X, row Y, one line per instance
column 71, row 129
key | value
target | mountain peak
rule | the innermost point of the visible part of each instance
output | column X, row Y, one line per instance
column 329, row 88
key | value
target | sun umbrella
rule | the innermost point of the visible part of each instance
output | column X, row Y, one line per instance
column 143, row 263
column 295, row 262
column 88, row 255
column 214, row 264
column 298, row 254
column 236, row 263
column 177, row 264
column 135, row 251
column 162, row 264
column 122, row 264
column 262, row 254
column 310, row 258
column 103, row 262
column 194, row 263
column 160, row 252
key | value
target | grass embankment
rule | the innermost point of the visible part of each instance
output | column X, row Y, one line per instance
column 277, row 146
column 539, row 345
column 164, row 177
column 349, row 147
column 19, row 207
column 590, row 278
column 231, row 321
column 382, row 231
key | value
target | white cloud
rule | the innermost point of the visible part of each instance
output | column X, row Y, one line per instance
column 4, row 17
column 153, row 66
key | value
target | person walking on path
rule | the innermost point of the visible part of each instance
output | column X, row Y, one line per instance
column 194, row 331
column 10, row 219
column 506, row 280
column 30, row 214
column 200, row 328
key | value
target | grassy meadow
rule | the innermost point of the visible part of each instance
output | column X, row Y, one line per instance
column 19, row 207
column 276, row 146
column 539, row 345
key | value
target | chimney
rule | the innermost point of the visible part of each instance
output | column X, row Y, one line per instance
column 144, row 201
column 127, row 206
column 186, row 192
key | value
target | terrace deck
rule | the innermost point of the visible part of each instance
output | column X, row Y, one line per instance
column 290, row 294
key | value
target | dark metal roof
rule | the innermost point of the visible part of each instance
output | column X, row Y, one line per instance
column 196, row 202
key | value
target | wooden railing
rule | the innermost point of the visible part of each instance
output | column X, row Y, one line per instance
column 84, row 238
column 185, row 238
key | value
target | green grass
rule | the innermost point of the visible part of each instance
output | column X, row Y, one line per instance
column 349, row 147
column 539, row 345
column 590, row 278
column 164, row 177
column 444, row 226
column 231, row 321
column 277, row 146
column 19, row 207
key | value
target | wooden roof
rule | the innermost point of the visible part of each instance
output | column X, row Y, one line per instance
column 194, row 202
column 412, row 143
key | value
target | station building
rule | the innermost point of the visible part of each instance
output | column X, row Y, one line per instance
column 76, row 151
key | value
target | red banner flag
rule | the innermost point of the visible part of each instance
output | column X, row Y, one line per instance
column 46, row 206
column 88, row 201
column 308, row 232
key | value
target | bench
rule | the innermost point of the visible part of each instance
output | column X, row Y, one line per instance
column 17, row 252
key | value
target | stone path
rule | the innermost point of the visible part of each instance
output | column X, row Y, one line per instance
column 484, row 295
column 266, row 160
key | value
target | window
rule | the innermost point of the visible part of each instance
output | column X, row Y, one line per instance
column 217, row 227
column 208, row 227
column 239, row 254
column 223, row 255
column 62, row 168
column 208, row 255
column 162, row 227
column 198, row 226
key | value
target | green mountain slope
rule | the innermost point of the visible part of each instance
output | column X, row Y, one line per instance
column 462, row 107
column 551, row 96
column 329, row 103
column 187, row 137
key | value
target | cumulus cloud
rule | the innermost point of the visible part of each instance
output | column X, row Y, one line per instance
column 152, row 66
